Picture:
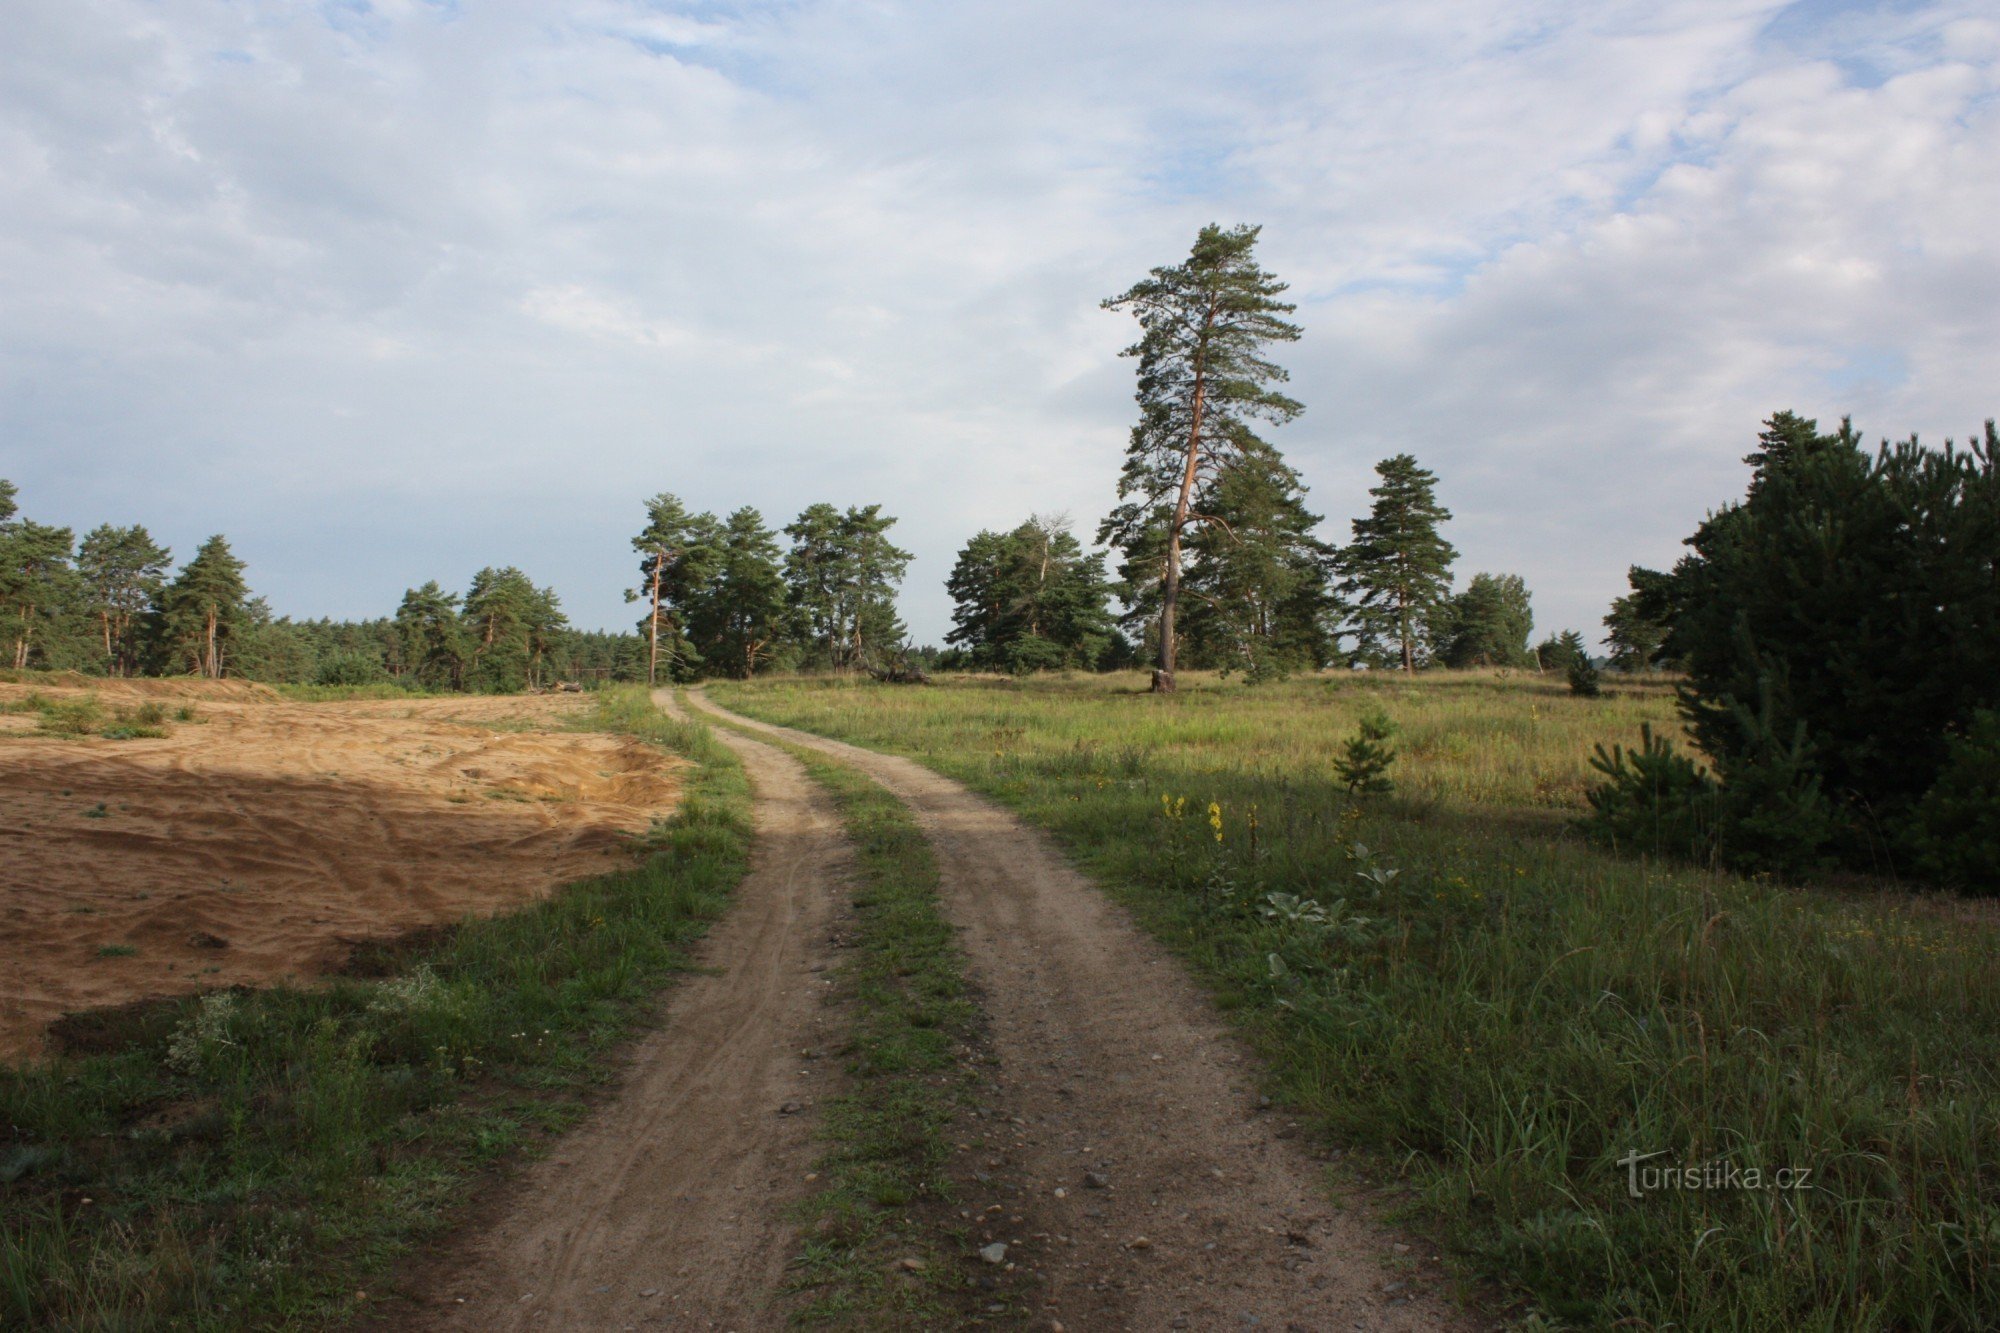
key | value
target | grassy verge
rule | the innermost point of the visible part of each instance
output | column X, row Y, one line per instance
column 253, row 1158
column 323, row 694
column 884, row 1182
column 1504, row 1014
column 86, row 715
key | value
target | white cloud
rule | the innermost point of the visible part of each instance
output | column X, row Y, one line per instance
column 389, row 292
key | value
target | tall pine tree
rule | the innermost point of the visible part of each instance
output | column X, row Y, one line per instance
column 203, row 612
column 37, row 582
column 1029, row 600
column 1204, row 380
column 1398, row 567
column 1257, row 578
column 122, row 571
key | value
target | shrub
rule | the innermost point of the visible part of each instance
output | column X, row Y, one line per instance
column 1654, row 799
column 350, row 669
column 1848, row 602
column 1363, row 765
column 1583, row 677
column 1957, row 825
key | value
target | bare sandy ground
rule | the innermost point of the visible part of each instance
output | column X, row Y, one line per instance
column 670, row 1206
column 265, row 838
column 1143, row 1186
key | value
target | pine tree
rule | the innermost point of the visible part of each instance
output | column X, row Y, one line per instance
column 738, row 620
column 840, row 579
column 1203, row 381
column 37, row 582
column 203, row 611
column 679, row 552
column 1487, row 624
column 501, row 606
column 1256, row 584
column 1029, row 600
column 433, row 637
column 122, row 571
column 1398, row 564
column 1632, row 629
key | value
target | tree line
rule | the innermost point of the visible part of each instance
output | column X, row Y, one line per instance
column 114, row 604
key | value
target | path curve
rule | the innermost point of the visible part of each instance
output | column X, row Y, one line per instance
column 669, row 1206
column 1113, row 1063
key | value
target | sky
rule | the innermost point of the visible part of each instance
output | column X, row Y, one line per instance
column 391, row 291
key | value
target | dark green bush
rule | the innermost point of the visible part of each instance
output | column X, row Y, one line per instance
column 1958, row 821
column 1654, row 799
column 1839, row 627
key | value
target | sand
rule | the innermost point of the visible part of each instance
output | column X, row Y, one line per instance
column 264, row 840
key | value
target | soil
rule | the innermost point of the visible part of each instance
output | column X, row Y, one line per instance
column 265, row 840
column 1131, row 1169
column 670, row 1207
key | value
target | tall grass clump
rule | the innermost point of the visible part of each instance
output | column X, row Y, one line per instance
column 250, row 1158
column 1522, row 1028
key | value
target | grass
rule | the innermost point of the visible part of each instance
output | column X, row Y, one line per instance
column 1500, row 1012
column 913, row 1025
column 85, row 715
column 322, row 694
column 256, row 1158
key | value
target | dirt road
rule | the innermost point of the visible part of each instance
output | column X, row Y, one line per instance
column 668, row 1208
column 1181, row 1204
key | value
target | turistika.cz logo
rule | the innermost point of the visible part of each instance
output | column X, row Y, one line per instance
column 1641, row 1180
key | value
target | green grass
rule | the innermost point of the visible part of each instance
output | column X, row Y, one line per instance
column 1514, row 1010
column 883, row 1178
column 321, row 694
column 256, row 1158
column 85, row 715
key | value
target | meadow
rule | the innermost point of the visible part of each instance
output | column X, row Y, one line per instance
column 1581, row 1072
column 264, row 1157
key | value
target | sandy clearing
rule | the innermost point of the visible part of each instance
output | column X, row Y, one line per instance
column 1114, row 1063
column 670, row 1206
column 262, row 840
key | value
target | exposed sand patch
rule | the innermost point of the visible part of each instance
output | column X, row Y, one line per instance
column 261, row 841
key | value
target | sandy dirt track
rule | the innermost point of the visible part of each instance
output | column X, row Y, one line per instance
column 1200, row 1211
column 263, row 839
column 668, row 1207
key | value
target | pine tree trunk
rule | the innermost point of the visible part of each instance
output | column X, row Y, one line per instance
column 1170, row 592
column 653, row 627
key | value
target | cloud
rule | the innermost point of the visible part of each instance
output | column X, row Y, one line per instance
column 389, row 292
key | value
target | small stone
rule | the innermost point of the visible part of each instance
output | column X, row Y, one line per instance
column 996, row 1253
column 1139, row 1243
column 1400, row 1248
column 1061, row 1193
column 650, row 1291
column 1298, row 1238
column 1395, row 1288
column 1093, row 1181
column 911, row 1265
column 789, row 1108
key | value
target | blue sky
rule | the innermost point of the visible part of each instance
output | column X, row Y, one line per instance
column 387, row 292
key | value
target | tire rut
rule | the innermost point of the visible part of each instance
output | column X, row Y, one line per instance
column 669, row 1207
column 1182, row 1204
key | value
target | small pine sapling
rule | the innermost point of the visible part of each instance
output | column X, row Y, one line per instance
column 1583, row 675
column 1364, row 761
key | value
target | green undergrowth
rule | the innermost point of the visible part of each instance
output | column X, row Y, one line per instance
column 1503, row 1016
column 913, row 1028
column 86, row 715
column 256, row 1158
